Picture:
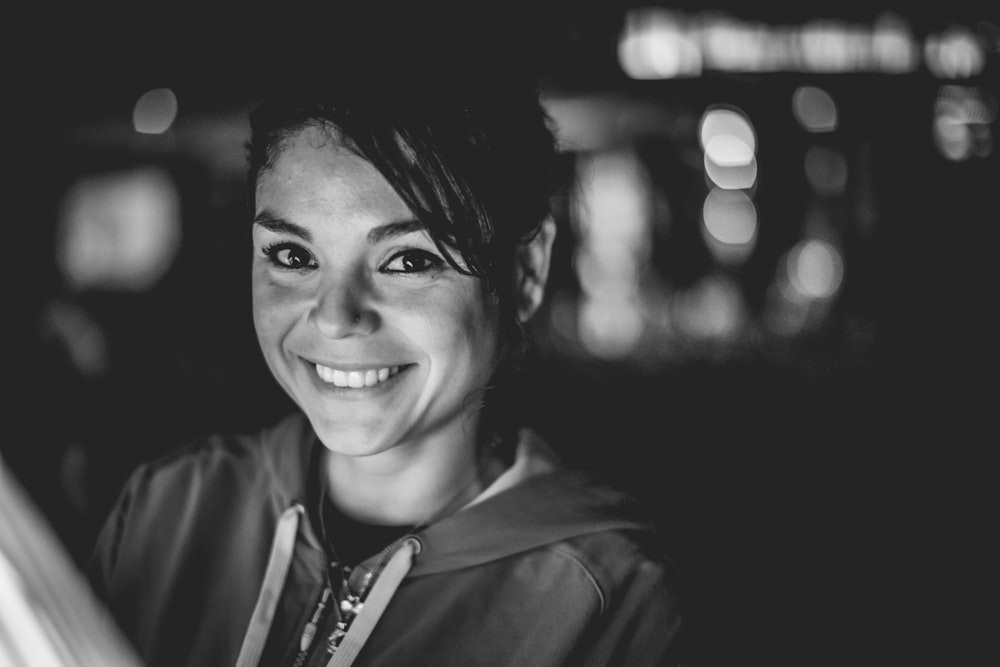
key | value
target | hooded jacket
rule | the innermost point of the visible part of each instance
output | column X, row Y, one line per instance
column 207, row 559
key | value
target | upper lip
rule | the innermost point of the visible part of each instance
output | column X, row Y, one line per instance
column 355, row 366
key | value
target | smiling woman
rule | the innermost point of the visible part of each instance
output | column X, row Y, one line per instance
column 403, row 514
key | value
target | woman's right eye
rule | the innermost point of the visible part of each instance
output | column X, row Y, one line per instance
column 289, row 256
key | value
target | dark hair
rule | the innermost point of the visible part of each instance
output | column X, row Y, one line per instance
column 460, row 135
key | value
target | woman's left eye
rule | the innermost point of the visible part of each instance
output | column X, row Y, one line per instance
column 413, row 261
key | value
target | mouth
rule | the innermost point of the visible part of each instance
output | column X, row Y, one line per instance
column 356, row 378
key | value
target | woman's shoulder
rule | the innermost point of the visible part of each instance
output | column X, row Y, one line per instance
column 276, row 453
column 613, row 533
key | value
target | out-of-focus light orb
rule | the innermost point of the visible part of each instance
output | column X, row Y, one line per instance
column 954, row 54
column 727, row 150
column 953, row 138
column 785, row 312
column 729, row 225
column 653, row 45
column 826, row 46
column 613, row 199
column 610, row 328
column 826, row 170
column 727, row 131
column 893, row 45
column 729, row 143
column 712, row 309
column 120, row 231
column 740, row 177
column 815, row 269
column 731, row 46
column 603, row 274
column 155, row 111
column 815, row 109
column 963, row 118
column 612, row 216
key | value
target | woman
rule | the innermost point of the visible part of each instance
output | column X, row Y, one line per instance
column 402, row 516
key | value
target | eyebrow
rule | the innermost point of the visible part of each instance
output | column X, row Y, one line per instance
column 279, row 225
column 275, row 223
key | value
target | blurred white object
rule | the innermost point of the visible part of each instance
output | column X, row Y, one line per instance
column 49, row 616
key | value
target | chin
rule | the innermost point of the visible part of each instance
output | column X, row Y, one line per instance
column 350, row 441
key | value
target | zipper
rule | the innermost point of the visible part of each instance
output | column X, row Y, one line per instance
column 352, row 604
column 309, row 632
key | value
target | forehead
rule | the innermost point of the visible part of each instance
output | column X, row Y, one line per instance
column 314, row 167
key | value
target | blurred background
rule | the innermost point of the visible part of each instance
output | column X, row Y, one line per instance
column 769, row 311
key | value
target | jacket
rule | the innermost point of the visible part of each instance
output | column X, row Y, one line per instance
column 206, row 559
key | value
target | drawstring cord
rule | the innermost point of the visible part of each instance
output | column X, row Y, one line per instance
column 378, row 599
column 278, row 564
column 270, row 591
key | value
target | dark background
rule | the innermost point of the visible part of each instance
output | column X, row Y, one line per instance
column 831, row 498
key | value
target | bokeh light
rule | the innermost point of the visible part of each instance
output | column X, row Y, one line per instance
column 740, row 177
column 653, row 46
column 729, row 132
column 155, row 111
column 963, row 118
column 729, row 225
column 814, row 109
column 612, row 216
column 826, row 170
column 713, row 308
column 815, row 269
column 119, row 231
column 954, row 54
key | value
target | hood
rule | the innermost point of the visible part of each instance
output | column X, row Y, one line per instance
column 537, row 501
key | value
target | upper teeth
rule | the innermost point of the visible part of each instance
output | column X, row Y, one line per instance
column 356, row 379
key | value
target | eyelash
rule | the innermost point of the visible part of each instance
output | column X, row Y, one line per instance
column 272, row 250
column 432, row 261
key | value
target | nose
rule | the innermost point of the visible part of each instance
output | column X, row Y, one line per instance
column 343, row 308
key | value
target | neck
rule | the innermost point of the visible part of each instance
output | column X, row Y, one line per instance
column 412, row 483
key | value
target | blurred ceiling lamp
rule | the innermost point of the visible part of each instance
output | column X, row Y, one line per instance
column 155, row 111
column 119, row 231
column 654, row 45
column 729, row 225
column 814, row 109
column 954, row 54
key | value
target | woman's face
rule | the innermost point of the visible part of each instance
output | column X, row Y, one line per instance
column 361, row 320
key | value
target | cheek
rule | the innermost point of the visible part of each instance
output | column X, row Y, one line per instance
column 466, row 329
column 272, row 306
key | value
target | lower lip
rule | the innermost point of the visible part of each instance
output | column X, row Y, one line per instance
column 355, row 392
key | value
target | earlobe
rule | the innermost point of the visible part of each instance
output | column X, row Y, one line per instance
column 533, row 259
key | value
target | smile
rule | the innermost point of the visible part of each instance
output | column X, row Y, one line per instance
column 355, row 379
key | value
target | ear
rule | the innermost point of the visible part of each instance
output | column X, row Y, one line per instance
column 532, row 269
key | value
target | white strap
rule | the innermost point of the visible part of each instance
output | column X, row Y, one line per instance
column 270, row 590
column 376, row 602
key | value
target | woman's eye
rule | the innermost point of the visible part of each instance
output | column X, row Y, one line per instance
column 289, row 256
column 413, row 261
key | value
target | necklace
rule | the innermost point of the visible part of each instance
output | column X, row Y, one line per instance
column 351, row 597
